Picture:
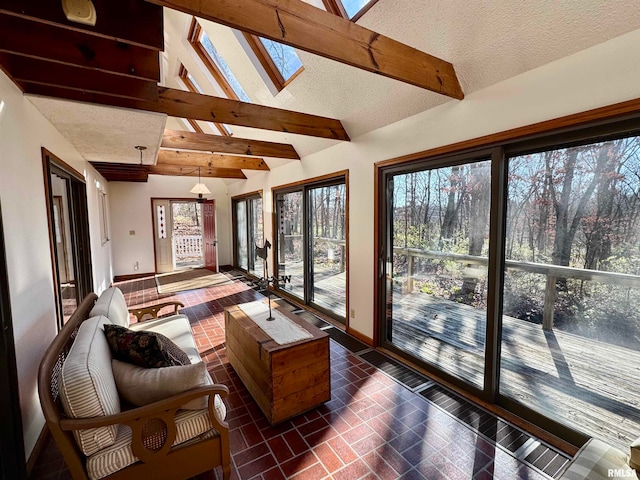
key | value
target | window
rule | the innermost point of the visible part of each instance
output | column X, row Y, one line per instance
column 281, row 62
column 248, row 233
column 349, row 9
column 193, row 86
column 512, row 272
column 311, row 243
column 214, row 62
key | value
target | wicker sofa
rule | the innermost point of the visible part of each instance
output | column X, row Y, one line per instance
column 99, row 435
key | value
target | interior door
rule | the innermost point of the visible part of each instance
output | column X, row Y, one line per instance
column 210, row 241
column 163, row 235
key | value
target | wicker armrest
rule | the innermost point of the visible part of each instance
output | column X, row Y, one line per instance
column 155, row 420
column 154, row 309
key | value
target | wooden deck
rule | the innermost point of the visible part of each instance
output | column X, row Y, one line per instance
column 591, row 385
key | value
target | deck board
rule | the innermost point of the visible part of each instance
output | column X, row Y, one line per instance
column 591, row 385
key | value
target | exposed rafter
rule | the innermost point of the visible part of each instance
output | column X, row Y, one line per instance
column 189, row 171
column 217, row 143
column 26, row 70
column 47, row 42
column 195, row 160
column 122, row 172
column 306, row 27
column 178, row 103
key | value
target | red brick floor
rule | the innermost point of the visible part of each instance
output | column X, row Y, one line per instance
column 373, row 427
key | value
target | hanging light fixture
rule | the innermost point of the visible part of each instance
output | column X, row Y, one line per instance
column 200, row 189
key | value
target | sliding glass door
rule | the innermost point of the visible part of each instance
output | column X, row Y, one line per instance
column 311, row 247
column 514, row 274
column 248, row 233
column 438, row 224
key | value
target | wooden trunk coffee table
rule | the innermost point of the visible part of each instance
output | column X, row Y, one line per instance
column 284, row 380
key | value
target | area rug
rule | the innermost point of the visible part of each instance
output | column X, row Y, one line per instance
column 190, row 280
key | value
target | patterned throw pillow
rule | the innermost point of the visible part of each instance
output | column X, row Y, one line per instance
column 144, row 348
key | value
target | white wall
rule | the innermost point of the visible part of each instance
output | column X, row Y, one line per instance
column 603, row 75
column 23, row 131
column 130, row 209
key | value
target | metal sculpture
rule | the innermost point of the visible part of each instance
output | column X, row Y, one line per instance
column 266, row 280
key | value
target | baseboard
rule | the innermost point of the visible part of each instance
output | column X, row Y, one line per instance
column 132, row 276
column 38, row 449
column 225, row 268
column 360, row 336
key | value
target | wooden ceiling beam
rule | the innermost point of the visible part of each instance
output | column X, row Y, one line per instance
column 177, row 139
column 27, row 70
column 303, row 26
column 46, row 42
column 129, row 21
column 122, row 172
column 195, row 160
column 210, row 172
column 178, row 103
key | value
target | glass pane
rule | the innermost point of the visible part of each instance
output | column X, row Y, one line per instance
column 187, row 234
column 353, row 6
column 285, row 57
column 255, row 205
column 327, row 220
column 224, row 68
column 571, row 320
column 241, row 233
column 290, row 253
column 437, row 277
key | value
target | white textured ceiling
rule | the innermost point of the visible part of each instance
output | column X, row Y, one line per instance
column 105, row 134
column 487, row 41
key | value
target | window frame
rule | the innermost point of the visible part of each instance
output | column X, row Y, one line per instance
column 104, row 217
column 195, row 33
column 337, row 8
column 246, row 198
column 268, row 64
column 184, row 75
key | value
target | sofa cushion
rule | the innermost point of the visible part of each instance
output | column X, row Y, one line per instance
column 87, row 387
column 144, row 348
column 111, row 304
column 142, row 386
column 595, row 461
column 189, row 424
column 177, row 328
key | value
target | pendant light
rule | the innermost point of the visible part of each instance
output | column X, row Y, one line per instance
column 200, row 189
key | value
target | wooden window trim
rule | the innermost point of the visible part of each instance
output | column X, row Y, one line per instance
column 268, row 64
column 183, row 73
column 195, row 32
column 337, row 8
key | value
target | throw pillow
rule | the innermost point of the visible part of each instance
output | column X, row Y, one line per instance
column 144, row 348
column 142, row 386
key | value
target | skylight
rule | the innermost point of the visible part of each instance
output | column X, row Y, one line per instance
column 352, row 7
column 284, row 57
column 223, row 67
column 349, row 9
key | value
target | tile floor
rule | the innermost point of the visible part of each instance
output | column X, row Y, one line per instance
column 373, row 427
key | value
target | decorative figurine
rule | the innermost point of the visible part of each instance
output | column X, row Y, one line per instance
column 264, row 282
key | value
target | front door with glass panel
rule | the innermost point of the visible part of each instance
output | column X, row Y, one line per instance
column 436, row 267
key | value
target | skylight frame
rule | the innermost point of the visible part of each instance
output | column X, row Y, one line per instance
column 189, row 82
column 194, row 38
column 337, row 8
column 268, row 64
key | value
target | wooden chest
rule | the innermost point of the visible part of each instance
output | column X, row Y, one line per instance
column 284, row 380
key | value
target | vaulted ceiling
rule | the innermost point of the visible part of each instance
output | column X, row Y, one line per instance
column 117, row 84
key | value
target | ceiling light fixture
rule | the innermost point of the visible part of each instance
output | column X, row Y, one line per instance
column 80, row 11
column 200, row 189
column 140, row 148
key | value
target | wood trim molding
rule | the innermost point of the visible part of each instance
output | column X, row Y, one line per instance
column 265, row 60
column 608, row 112
column 360, row 336
column 132, row 276
column 247, row 195
column 310, row 181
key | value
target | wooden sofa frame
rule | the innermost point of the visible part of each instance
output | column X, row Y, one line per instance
column 151, row 440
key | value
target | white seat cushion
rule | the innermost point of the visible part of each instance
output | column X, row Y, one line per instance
column 595, row 461
column 111, row 304
column 175, row 327
column 87, row 387
column 189, row 424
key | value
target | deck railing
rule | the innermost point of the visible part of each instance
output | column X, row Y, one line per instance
column 188, row 246
column 552, row 272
